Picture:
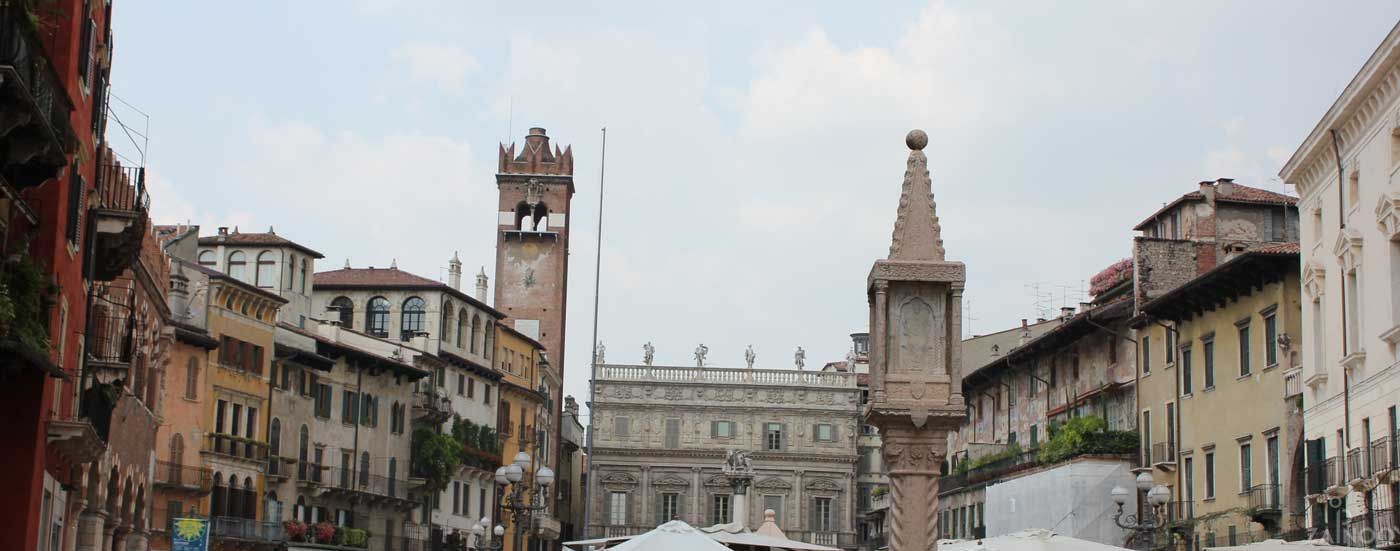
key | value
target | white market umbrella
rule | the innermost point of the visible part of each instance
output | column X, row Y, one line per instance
column 1030, row 540
column 1280, row 545
column 675, row 535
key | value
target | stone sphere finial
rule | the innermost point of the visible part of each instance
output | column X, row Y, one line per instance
column 916, row 139
column 769, row 515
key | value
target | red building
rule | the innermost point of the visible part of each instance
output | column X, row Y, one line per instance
column 77, row 403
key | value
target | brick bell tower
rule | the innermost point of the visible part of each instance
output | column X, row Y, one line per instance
column 535, row 186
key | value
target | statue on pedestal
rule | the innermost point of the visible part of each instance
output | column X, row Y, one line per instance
column 648, row 353
column 749, row 357
column 700, row 352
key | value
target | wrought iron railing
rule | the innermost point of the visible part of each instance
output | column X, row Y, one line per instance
column 366, row 482
column 237, row 446
column 1356, row 468
column 1381, row 455
column 1163, row 452
column 1179, row 511
column 22, row 51
column 245, row 529
column 189, row 477
column 1265, row 497
column 122, row 188
column 112, row 338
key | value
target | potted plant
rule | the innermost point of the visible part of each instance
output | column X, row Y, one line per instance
column 325, row 532
column 295, row 530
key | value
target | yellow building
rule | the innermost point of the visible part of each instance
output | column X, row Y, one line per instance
column 235, row 392
column 1221, row 425
column 522, row 422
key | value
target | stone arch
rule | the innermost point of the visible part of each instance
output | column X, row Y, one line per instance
column 113, row 493
column 94, row 484
column 139, row 516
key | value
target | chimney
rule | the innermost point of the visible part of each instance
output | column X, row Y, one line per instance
column 1025, row 333
column 1208, row 190
column 223, row 231
column 1225, row 186
column 481, row 281
column 537, row 137
column 571, row 406
column 1066, row 312
column 1085, row 306
column 454, row 272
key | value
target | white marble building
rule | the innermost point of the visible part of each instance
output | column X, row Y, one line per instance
column 662, row 434
column 1351, row 301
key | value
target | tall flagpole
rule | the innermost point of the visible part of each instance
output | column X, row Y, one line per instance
column 593, row 376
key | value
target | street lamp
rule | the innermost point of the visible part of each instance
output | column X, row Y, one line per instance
column 484, row 543
column 514, row 498
column 1150, row 520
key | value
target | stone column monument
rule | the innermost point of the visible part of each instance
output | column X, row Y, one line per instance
column 915, row 356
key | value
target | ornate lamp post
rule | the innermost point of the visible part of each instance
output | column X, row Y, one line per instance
column 519, row 500
column 483, row 541
column 1150, row 521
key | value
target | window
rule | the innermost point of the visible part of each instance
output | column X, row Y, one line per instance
column 822, row 514
column 776, row 504
column 1146, row 355
column 1035, row 436
column 303, row 446
column 377, row 317
column 1242, row 329
column 1246, row 480
column 621, row 426
column 1170, row 343
column 824, row 432
column 305, row 280
column 267, row 270
column 617, row 508
column 1210, row 474
column 1186, row 371
column 461, row 384
column 673, row 433
column 722, row 429
column 1208, row 367
column 1011, row 394
column 1270, row 340
column 414, row 310
column 1054, row 374
column 461, row 322
column 669, row 509
column 719, row 509
column 1189, row 479
column 485, row 394
column 456, row 497
column 349, row 406
column 76, row 186
column 206, row 259
column 1112, row 349
column 323, row 401
column 237, row 265
column 364, row 468
column 192, row 378
column 1353, row 314
column 1233, row 535
column 476, row 332
column 773, row 436
column 1147, row 435
column 345, row 310
column 471, row 387
column 1171, row 433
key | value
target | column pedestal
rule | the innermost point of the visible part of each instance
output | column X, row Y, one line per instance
column 137, row 540
column 912, row 457
column 91, row 531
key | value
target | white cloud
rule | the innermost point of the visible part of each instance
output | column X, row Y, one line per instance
column 939, row 74
column 442, row 65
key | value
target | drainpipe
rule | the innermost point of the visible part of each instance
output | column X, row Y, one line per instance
column 1342, row 225
column 359, row 414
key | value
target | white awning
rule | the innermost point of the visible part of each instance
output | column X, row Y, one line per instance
column 1030, row 540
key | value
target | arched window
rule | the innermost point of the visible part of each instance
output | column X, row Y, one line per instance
column 287, row 274
column 541, row 216
column 377, row 317
column 299, row 511
column 305, row 272
column 272, row 511
column 364, row 469
column 393, row 470
column 267, row 270
column 192, row 378
column 411, row 322
column 274, row 446
column 523, row 222
column 219, row 498
column 237, row 265
column 446, row 327
column 461, row 323
column 476, row 332
column 305, row 443
column 206, row 258
column 345, row 308
column 250, row 499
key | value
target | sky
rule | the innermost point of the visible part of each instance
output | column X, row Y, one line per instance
column 755, row 150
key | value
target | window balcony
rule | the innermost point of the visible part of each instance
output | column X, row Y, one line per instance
column 431, row 408
column 1293, row 382
column 121, row 217
column 34, row 105
column 187, row 478
column 1382, row 456
column 245, row 529
column 236, row 447
column 366, row 486
column 1164, row 455
column 112, row 337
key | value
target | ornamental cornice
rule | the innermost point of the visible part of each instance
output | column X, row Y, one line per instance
column 1388, row 216
column 1359, row 108
column 670, row 481
column 823, row 484
column 773, row 483
column 602, row 452
column 1348, row 249
column 1314, row 279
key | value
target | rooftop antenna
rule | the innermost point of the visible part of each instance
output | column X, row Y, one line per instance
column 967, row 315
column 1041, row 300
column 510, row 120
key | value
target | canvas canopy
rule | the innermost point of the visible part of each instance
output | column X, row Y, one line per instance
column 1029, row 540
column 1280, row 545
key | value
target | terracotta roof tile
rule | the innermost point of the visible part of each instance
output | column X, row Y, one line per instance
column 1240, row 194
column 1281, row 248
column 266, row 239
column 370, row 278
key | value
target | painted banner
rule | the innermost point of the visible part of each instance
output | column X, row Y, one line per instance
column 189, row 534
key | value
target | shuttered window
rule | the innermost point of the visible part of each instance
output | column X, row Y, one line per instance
column 673, row 433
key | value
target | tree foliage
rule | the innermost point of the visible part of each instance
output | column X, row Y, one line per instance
column 436, row 457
